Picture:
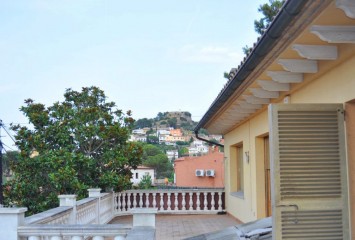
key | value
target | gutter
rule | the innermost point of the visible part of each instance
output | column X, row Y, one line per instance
column 208, row 141
column 267, row 41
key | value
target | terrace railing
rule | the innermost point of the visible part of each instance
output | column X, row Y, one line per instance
column 176, row 201
column 88, row 217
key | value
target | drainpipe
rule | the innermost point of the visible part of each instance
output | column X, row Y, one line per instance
column 205, row 140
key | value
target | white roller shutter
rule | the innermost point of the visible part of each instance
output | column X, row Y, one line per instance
column 308, row 172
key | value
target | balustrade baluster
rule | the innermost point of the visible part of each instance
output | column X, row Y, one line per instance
column 119, row 238
column 34, row 238
column 146, row 200
column 98, row 238
column 134, row 200
column 118, row 202
column 183, row 203
column 205, row 207
column 176, row 206
column 169, row 202
column 219, row 201
column 56, row 238
column 213, row 207
column 161, row 201
column 191, row 206
column 154, row 200
column 77, row 238
column 198, row 207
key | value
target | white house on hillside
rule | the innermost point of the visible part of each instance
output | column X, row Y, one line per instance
column 141, row 171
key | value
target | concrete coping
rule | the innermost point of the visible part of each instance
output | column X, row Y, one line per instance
column 144, row 210
column 6, row 210
column 94, row 192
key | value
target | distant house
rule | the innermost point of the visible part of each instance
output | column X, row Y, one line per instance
column 204, row 171
column 141, row 171
column 172, row 154
column 139, row 131
column 176, row 132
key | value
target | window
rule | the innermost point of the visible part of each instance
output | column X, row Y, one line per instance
column 136, row 175
column 240, row 169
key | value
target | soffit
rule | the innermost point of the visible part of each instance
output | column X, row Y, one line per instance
column 285, row 69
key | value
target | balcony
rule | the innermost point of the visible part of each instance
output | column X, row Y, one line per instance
column 98, row 215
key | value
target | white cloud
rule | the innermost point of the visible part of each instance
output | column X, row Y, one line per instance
column 208, row 54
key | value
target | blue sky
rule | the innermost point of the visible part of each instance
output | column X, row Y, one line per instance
column 148, row 56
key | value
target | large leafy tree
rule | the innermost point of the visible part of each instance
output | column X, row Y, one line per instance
column 154, row 157
column 269, row 11
column 72, row 145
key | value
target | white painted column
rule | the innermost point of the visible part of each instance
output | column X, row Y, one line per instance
column 176, row 203
column 34, row 238
column 134, row 200
column 69, row 201
column 98, row 238
column 205, row 207
column 154, row 200
column 10, row 219
column 169, row 202
column 183, row 203
column 146, row 200
column 191, row 208
column 198, row 207
column 213, row 207
column 77, row 238
column 219, row 201
column 96, row 193
column 161, row 201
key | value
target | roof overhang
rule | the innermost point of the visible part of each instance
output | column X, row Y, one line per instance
column 305, row 39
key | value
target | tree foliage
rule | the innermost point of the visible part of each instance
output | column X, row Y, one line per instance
column 269, row 11
column 154, row 157
column 73, row 145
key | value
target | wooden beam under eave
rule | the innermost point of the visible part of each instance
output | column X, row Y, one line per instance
column 285, row 77
column 334, row 34
column 255, row 100
column 273, row 86
column 299, row 65
column 261, row 93
column 316, row 52
column 348, row 6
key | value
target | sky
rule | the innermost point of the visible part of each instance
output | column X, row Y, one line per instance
column 148, row 56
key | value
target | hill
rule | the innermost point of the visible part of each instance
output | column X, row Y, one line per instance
column 175, row 119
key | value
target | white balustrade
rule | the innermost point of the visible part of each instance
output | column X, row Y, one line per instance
column 183, row 201
column 205, row 206
column 198, row 206
column 169, row 201
column 161, row 201
column 191, row 206
column 212, row 201
column 176, row 206
column 154, row 200
column 219, row 201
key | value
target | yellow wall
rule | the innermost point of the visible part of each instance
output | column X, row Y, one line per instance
column 335, row 86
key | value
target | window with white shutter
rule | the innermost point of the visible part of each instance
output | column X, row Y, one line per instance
column 308, row 172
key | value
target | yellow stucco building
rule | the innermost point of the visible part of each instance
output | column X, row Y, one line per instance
column 287, row 115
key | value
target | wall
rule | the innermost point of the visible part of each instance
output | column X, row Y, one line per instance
column 141, row 172
column 334, row 86
column 185, row 171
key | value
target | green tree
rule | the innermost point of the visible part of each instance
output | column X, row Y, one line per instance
column 146, row 182
column 152, row 139
column 269, row 11
column 183, row 151
column 73, row 145
column 172, row 122
column 8, row 159
column 142, row 123
column 154, row 157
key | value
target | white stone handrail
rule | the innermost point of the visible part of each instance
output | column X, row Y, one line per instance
column 74, row 232
column 177, row 201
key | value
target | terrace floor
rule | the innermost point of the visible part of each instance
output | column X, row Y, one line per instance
column 177, row 227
